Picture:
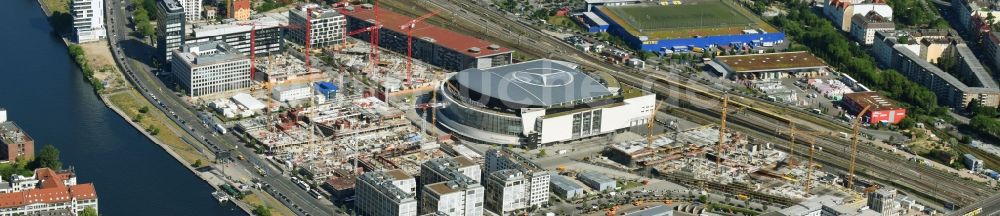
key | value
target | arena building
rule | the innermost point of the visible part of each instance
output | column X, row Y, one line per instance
column 537, row 103
column 684, row 27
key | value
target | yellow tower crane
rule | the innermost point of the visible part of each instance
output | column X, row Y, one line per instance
column 722, row 133
column 856, row 127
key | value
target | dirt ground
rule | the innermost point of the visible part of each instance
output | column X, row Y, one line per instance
column 100, row 59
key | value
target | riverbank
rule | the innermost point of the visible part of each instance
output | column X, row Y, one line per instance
column 107, row 74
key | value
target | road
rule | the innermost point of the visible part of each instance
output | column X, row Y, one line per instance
column 870, row 163
column 130, row 52
column 989, row 206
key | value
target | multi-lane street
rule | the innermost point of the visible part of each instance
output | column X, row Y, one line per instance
column 130, row 53
column 872, row 162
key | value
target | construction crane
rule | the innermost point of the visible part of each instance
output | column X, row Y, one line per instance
column 809, row 170
column 371, row 37
column 856, row 128
column 652, row 119
column 791, row 144
column 722, row 133
column 253, row 40
column 409, row 26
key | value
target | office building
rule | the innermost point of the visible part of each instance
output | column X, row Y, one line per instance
column 539, row 102
column 431, row 44
column 16, row 144
column 535, row 179
column 386, row 193
column 460, row 197
column 88, row 20
column 505, row 192
column 444, row 169
column 46, row 193
column 210, row 67
column 192, row 10
column 451, row 186
column 884, row 201
column 170, row 22
column 326, row 26
column 267, row 35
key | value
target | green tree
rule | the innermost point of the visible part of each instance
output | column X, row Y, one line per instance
column 197, row 163
column 89, row 211
column 48, row 157
column 144, row 109
column 541, row 153
column 261, row 210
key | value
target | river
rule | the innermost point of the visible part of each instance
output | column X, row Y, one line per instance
column 44, row 92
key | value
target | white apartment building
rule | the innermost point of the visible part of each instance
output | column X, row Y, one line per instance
column 88, row 20
column 536, row 191
column 46, row 193
column 384, row 193
column 505, row 192
column 192, row 9
column 462, row 197
column 327, row 26
column 210, row 67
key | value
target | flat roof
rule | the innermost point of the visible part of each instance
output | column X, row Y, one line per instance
column 595, row 176
column 563, row 182
column 770, row 62
column 236, row 27
column 446, row 38
column 659, row 210
column 610, row 1
column 873, row 99
column 593, row 17
column 539, row 82
column 248, row 101
column 10, row 133
column 208, row 53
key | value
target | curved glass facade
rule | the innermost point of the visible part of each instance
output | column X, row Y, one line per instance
column 475, row 117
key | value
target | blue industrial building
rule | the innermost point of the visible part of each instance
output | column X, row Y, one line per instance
column 750, row 38
column 592, row 22
column 327, row 89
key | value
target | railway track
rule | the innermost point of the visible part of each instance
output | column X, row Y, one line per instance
column 939, row 185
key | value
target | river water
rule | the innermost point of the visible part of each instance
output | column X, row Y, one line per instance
column 44, row 92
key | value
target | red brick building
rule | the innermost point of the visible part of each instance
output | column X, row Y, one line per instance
column 881, row 108
column 15, row 143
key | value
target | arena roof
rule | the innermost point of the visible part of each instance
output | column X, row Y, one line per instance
column 770, row 62
column 452, row 40
column 540, row 82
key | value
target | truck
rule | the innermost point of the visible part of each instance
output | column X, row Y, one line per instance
column 221, row 129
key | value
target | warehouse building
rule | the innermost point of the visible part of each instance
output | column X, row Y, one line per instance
column 325, row 27
column 972, row 163
column 597, row 181
column 539, row 102
column 210, row 67
column 267, row 30
column 592, row 22
column 688, row 27
column 564, row 187
column 880, row 108
column 431, row 44
column 16, row 144
column 770, row 66
column 294, row 92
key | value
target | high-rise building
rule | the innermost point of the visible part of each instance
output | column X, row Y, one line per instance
column 169, row 29
column 268, row 35
column 385, row 193
column 536, row 179
column 505, row 191
column 46, row 193
column 326, row 25
column 239, row 10
column 883, row 201
column 451, row 186
column 210, row 67
column 192, row 9
column 88, row 20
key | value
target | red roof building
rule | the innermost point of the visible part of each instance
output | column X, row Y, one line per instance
column 432, row 44
column 881, row 109
column 48, row 191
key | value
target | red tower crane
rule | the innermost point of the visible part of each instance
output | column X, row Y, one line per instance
column 409, row 26
column 371, row 37
column 253, row 40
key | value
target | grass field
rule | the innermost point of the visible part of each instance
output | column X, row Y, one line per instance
column 130, row 102
column 692, row 15
column 693, row 18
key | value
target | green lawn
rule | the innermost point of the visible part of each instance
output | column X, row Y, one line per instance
column 692, row 18
column 130, row 102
